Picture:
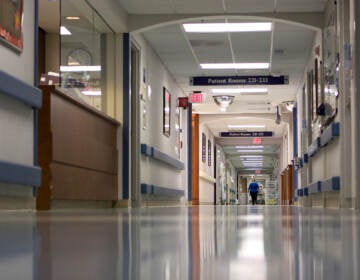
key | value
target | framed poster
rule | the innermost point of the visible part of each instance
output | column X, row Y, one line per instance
column 166, row 112
column 331, row 65
column 11, row 20
column 203, row 147
column 310, row 90
column 209, row 152
column 315, row 91
column 178, row 132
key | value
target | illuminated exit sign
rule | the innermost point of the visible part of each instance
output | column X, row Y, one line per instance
column 257, row 171
column 196, row 98
column 257, row 141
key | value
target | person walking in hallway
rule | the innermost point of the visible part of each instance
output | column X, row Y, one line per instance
column 253, row 189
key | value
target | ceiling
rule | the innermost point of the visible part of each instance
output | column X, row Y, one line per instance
column 220, row 6
column 287, row 48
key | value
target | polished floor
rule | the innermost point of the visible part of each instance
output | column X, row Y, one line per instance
column 223, row 242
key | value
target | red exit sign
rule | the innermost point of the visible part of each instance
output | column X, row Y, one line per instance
column 257, row 140
column 257, row 171
column 196, row 98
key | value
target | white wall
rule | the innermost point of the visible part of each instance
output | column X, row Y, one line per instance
column 326, row 163
column 157, row 77
column 21, row 65
column 206, row 181
column 16, row 119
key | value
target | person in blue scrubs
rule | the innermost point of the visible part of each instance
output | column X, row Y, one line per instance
column 254, row 190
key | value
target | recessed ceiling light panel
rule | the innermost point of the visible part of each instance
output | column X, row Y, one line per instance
column 244, row 66
column 228, row 27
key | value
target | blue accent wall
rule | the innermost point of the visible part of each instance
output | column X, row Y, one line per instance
column 189, row 144
column 126, row 113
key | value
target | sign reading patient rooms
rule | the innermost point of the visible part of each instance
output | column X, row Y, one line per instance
column 238, row 80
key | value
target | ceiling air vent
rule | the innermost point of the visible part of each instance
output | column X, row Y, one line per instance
column 207, row 43
column 279, row 51
column 251, row 103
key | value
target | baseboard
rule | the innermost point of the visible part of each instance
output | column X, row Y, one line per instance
column 159, row 203
column 206, row 203
column 80, row 204
column 124, row 203
column 17, row 203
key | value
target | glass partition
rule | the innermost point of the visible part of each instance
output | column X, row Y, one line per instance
column 85, row 38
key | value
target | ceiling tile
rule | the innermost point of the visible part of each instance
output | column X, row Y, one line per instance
column 147, row 7
column 249, row 6
column 301, row 6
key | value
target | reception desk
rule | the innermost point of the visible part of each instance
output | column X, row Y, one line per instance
column 77, row 151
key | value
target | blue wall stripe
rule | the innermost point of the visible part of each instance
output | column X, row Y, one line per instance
column 160, row 191
column 330, row 134
column 14, row 173
column 19, row 90
column 126, row 114
column 160, row 156
column 189, row 167
column 173, row 162
column 36, row 70
column 295, row 141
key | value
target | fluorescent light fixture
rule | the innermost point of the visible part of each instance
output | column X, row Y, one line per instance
column 227, row 27
column 234, row 126
column 72, row 18
column 251, row 156
column 239, row 90
column 64, row 31
column 92, row 92
column 249, row 147
column 54, row 74
column 92, row 68
column 249, row 151
column 255, row 65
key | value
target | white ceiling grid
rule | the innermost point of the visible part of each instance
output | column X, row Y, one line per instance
column 216, row 6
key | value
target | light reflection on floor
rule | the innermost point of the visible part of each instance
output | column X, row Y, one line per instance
column 207, row 242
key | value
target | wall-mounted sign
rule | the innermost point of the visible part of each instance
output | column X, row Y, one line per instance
column 183, row 102
column 246, row 134
column 238, row 80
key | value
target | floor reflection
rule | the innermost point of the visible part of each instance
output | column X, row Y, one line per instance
column 254, row 242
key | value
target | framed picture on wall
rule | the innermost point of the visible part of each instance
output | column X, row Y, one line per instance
column 331, row 65
column 11, row 20
column 209, row 152
column 178, row 132
column 315, row 100
column 203, row 147
column 310, row 90
column 166, row 112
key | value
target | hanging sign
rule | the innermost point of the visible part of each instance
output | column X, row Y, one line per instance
column 238, row 80
column 246, row 134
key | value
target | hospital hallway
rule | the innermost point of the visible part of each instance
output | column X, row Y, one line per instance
column 199, row 242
